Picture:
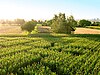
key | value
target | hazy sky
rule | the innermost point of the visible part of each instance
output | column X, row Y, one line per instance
column 45, row 9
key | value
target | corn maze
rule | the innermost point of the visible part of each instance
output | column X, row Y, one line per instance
column 49, row 55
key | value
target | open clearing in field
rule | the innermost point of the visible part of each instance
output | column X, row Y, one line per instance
column 86, row 31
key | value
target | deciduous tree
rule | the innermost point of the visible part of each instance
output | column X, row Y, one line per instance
column 59, row 23
column 62, row 25
column 29, row 26
column 83, row 23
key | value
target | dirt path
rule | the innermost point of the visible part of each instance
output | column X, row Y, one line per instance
column 86, row 31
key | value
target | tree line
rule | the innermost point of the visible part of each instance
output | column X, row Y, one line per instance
column 15, row 21
column 59, row 23
column 84, row 23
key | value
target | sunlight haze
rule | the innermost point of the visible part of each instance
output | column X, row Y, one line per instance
column 45, row 9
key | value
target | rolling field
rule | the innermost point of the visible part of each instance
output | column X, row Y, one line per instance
column 50, row 55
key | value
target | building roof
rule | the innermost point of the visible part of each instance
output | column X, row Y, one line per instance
column 72, row 29
column 44, row 27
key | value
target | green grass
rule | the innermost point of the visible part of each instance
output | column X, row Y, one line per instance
column 93, row 27
column 50, row 54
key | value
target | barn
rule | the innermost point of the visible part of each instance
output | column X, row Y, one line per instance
column 47, row 29
column 44, row 29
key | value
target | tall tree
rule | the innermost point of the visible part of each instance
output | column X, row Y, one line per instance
column 62, row 25
column 59, row 23
column 71, row 21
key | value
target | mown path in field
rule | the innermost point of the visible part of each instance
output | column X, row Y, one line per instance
column 86, row 31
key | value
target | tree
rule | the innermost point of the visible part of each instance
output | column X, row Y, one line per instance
column 39, row 21
column 47, row 23
column 83, row 23
column 98, row 23
column 29, row 26
column 44, row 23
column 62, row 25
column 95, row 24
column 59, row 23
column 71, row 21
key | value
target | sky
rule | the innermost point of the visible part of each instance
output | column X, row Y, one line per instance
column 45, row 9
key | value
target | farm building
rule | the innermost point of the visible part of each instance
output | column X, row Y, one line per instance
column 47, row 29
column 44, row 29
column 72, row 30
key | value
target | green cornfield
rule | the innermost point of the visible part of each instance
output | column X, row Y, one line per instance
column 50, row 55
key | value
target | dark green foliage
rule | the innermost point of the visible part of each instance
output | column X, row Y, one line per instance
column 71, row 21
column 48, row 22
column 29, row 26
column 62, row 25
column 59, row 24
column 52, row 44
column 95, row 24
column 98, row 23
column 84, row 23
column 45, row 23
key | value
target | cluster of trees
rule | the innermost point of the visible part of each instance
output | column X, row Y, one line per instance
column 10, row 22
column 84, row 23
column 59, row 23
column 95, row 24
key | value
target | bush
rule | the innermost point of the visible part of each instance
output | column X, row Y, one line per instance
column 84, row 23
column 29, row 26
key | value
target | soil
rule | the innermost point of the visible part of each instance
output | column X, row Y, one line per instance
column 86, row 31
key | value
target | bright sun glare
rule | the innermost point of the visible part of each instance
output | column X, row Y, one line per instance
column 13, row 12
